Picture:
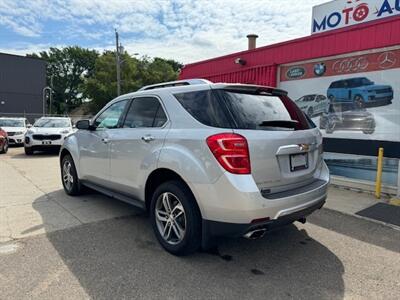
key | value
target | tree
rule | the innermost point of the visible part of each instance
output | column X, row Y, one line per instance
column 135, row 73
column 67, row 69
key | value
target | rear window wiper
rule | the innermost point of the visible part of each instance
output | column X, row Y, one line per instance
column 280, row 123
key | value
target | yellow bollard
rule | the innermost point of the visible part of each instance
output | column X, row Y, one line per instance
column 378, row 183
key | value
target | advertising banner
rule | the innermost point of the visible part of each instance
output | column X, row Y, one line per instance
column 342, row 13
column 355, row 96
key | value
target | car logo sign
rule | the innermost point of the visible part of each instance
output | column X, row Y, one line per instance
column 319, row 69
column 386, row 60
column 295, row 72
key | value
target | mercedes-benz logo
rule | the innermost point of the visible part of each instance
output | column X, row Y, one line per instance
column 386, row 60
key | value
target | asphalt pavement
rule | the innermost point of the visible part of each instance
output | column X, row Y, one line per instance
column 58, row 247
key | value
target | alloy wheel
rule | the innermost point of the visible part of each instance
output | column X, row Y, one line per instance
column 170, row 218
column 67, row 175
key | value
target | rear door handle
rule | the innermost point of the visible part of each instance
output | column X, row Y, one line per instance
column 105, row 141
column 147, row 138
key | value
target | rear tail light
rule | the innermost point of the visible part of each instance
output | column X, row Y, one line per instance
column 231, row 151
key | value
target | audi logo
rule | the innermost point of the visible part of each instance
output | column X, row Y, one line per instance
column 350, row 65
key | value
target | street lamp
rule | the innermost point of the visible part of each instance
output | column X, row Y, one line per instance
column 47, row 88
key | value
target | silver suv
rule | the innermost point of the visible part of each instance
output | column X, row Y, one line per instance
column 205, row 160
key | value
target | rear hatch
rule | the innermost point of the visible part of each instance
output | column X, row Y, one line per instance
column 285, row 147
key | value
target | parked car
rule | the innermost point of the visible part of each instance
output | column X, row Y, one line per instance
column 16, row 129
column 313, row 104
column 47, row 133
column 3, row 141
column 205, row 160
column 341, row 118
column 360, row 91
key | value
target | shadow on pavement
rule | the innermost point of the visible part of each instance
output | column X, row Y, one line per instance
column 120, row 258
column 362, row 230
column 36, row 155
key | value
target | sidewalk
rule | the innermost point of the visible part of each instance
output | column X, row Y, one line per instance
column 363, row 205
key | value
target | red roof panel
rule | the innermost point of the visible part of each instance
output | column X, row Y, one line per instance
column 378, row 34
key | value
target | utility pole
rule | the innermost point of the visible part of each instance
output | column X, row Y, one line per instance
column 118, row 64
column 51, row 93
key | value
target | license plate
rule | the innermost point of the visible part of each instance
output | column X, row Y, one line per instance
column 46, row 142
column 298, row 162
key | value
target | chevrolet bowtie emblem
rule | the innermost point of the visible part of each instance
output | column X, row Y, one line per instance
column 304, row 147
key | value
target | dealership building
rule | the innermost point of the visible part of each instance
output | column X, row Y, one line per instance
column 22, row 80
column 345, row 76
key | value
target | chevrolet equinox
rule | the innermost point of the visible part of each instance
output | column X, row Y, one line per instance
column 204, row 160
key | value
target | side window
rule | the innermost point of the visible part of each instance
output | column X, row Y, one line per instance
column 145, row 112
column 205, row 107
column 110, row 117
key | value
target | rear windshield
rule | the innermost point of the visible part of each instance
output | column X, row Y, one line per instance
column 236, row 110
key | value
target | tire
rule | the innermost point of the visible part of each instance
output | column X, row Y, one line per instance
column 28, row 151
column 322, row 122
column 69, row 177
column 4, row 149
column 369, row 131
column 176, row 196
column 359, row 102
column 330, row 126
column 310, row 112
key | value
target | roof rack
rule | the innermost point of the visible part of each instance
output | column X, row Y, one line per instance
column 175, row 83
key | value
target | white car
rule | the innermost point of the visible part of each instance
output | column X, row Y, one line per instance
column 15, row 128
column 313, row 104
column 47, row 133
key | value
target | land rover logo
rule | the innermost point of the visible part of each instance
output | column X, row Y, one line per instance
column 295, row 72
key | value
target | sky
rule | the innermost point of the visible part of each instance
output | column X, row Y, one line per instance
column 184, row 30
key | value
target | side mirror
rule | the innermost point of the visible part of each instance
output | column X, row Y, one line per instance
column 83, row 125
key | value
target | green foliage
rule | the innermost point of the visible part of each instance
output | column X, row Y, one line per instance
column 67, row 69
column 135, row 73
column 77, row 74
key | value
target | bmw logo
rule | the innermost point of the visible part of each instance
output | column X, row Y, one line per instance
column 319, row 69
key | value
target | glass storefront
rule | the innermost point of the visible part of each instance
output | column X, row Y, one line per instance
column 362, row 167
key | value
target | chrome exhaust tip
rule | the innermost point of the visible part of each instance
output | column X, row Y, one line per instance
column 255, row 234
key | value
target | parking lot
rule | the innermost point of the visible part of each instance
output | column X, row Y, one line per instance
column 53, row 246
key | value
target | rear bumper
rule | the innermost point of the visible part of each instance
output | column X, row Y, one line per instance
column 213, row 229
column 237, row 199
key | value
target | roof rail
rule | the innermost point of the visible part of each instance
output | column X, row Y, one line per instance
column 175, row 83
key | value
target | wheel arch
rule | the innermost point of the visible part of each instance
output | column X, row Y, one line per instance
column 63, row 153
column 66, row 151
column 158, row 177
column 359, row 93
